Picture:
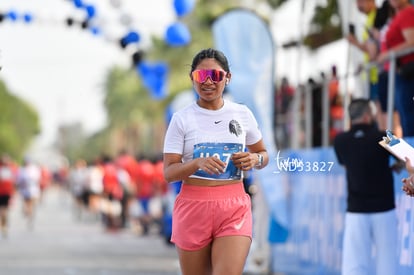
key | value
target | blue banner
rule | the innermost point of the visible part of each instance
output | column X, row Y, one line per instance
column 314, row 185
column 248, row 44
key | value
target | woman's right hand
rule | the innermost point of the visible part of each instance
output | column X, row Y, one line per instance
column 211, row 165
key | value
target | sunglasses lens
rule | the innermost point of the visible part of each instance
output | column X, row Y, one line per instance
column 201, row 75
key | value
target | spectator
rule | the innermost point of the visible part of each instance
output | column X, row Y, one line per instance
column 283, row 100
column 335, row 106
column 376, row 45
column 316, row 89
column 400, row 36
column 370, row 217
column 368, row 8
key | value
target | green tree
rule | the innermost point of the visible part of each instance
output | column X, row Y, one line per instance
column 275, row 3
column 19, row 123
column 326, row 25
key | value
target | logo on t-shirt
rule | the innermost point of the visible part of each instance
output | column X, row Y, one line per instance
column 235, row 128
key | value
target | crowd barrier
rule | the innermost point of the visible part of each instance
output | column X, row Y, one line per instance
column 307, row 205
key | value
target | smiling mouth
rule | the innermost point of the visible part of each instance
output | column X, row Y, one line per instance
column 208, row 89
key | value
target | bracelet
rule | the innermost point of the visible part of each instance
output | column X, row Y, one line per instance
column 260, row 162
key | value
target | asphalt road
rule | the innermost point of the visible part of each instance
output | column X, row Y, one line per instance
column 59, row 243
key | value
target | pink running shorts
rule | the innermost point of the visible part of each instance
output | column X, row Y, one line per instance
column 203, row 213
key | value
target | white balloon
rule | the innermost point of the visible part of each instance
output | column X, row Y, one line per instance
column 116, row 3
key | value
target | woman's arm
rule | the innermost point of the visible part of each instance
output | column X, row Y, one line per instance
column 176, row 170
column 250, row 159
column 408, row 34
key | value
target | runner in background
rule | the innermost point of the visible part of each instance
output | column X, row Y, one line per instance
column 7, row 182
column 28, row 184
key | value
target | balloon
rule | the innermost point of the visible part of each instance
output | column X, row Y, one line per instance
column 12, row 15
column 84, row 24
column 70, row 21
column 28, row 17
column 183, row 7
column 125, row 19
column 78, row 3
column 131, row 37
column 91, row 11
column 95, row 30
column 154, row 77
column 137, row 57
column 177, row 34
column 115, row 3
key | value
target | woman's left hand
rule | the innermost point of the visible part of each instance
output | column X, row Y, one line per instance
column 244, row 160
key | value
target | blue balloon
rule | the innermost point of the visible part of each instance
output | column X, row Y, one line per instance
column 177, row 34
column 28, row 17
column 12, row 15
column 91, row 11
column 78, row 3
column 131, row 37
column 154, row 77
column 95, row 30
column 183, row 7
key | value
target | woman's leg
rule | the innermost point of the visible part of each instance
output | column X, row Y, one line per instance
column 195, row 262
column 229, row 254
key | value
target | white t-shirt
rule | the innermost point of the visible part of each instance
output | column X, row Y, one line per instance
column 197, row 132
column 28, row 180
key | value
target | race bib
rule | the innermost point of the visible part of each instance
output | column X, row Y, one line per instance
column 222, row 151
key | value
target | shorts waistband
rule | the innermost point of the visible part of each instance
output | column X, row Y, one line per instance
column 212, row 192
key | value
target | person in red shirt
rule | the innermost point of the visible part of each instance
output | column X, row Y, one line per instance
column 7, row 181
column 45, row 180
column 400, row 36
column 160, row 184
column 145, row 190
column 125, row 161
column 112, row 192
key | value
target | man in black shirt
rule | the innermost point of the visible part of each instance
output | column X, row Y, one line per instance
column 370, row 219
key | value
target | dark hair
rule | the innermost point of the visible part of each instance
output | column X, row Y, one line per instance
column 358, row 107
column 210, row 53
column 384, row 12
